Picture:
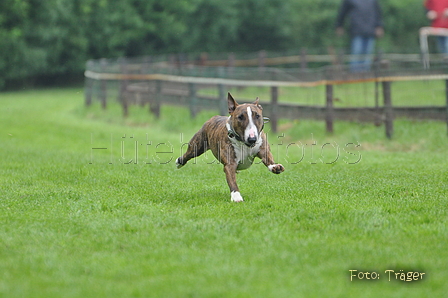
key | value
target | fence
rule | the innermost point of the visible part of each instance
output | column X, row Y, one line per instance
column 176, row 80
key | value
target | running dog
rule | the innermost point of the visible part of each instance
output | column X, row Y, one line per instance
column 234, row 141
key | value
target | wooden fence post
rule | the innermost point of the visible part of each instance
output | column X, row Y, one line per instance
column 123, row 96
column 329, row 116
column 274, row 108
column 379, row 66
column 262, row 59
column 231, row 60
column 222, row 101
column 377, row 121
column 334, row 56
column 203, row 58
column 341, row 54
column 154, row 105
column 303, row 62
column 388, row 109
column 103, row 88
column 231, row 65
column 89, row 85
column 193, row 99
column 172, row 61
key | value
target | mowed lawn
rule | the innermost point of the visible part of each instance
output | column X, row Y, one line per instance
column 93, row 206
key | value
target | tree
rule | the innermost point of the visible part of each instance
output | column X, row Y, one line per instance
column 52, row 38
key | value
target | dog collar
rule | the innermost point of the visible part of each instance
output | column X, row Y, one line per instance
column 231, row 133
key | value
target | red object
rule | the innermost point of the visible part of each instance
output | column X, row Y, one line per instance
column 439, row 6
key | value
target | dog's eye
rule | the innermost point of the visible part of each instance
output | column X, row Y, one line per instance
column 257, row 116
column 241, row 117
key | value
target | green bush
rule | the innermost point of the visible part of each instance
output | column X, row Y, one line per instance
column 45, row 39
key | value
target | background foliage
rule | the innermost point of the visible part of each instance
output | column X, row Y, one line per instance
column 42, row 40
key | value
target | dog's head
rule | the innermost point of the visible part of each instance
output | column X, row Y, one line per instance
column 245, row 121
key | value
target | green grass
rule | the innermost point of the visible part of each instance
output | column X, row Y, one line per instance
column 78, row 222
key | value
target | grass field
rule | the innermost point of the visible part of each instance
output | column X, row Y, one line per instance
column 123, row 222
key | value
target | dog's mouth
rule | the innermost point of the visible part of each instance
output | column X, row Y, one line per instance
column 250, row 145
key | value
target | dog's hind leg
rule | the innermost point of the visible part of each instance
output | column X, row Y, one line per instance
column 197, row 145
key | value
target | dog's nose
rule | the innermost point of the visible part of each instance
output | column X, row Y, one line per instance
column 251, row 140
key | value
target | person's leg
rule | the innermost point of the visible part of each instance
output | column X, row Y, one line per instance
column 368, row 50
column 356, row 50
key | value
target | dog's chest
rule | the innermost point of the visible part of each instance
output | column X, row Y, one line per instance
column 245, row 155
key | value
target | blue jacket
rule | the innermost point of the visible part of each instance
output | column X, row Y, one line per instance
column 365, row 16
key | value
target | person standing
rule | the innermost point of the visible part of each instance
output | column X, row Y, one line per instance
column 437, row 13
column 366, row 24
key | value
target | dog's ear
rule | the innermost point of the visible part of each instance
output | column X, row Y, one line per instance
column 231, row 102
column 257, row 104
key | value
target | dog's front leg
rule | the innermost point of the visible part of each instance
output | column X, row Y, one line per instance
column 230, row 170
column 268, row 160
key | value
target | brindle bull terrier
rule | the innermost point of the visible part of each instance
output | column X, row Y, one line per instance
column 234, row 141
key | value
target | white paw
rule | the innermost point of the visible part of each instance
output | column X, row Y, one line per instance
column 178, row 165
column 276, row 168
column 235, row 196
